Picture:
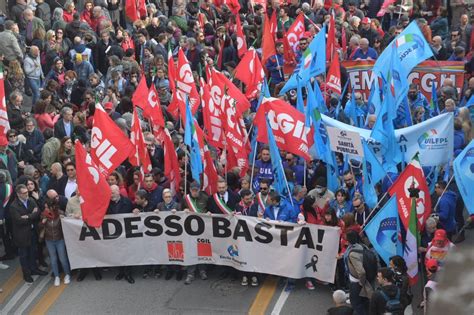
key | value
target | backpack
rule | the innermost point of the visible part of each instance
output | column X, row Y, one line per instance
column 392, row 305
column 370, row 263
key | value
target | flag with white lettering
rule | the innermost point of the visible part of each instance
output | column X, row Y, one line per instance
column 171, row 161
column 109, row 144
column 139, row 155
column 288, row 125
column 93, row 188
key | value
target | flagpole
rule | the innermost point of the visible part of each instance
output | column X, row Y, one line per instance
column 286, row 182
column 253, row 163
column 444, row 190
column 304, row 174
column 373, row 210
column 185, row 171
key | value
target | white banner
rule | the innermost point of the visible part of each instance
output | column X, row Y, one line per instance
column 433, row 139
column 181, row 238
column 345, row 141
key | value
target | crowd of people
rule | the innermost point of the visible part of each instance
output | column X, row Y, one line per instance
column 59, row 58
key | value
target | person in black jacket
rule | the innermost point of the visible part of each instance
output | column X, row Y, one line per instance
column 23, row 156
column 119, row 204
column 224, row 201
column 25, row 216
column 388, row 291
column 8, row 160
column 15, row 113
column 34, row 139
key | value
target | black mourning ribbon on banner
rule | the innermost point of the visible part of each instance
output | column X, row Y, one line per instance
column 312, row 263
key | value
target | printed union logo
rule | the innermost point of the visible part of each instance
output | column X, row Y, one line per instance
column 204, row 248
column 175, row 251
column 431, row 140
column 343, row 133
column 233, row 250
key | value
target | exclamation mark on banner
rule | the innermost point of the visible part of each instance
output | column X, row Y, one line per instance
column 320, row 240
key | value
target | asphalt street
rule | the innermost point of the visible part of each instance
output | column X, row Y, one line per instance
column 159, row 296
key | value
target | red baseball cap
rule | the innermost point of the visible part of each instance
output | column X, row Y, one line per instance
column 108, row 106
column 440, row 235
column 366, row 20
column 3, row 141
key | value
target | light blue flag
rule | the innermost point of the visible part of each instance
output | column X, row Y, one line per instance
column 434, row 109
column 464, row 174
column 191, row 140
column 384, row 132
column 374, row 168
column 279, row 182
column 321, row 138
column 313, row 62
column 431, row 177
column 410, row 46
column 339, row 104
column 382, row 230
column 332, row 173
column 368, row 185
column 351, row 109
column 316, row 98
column 374, row 102
column 253, row 143
column 299, row 96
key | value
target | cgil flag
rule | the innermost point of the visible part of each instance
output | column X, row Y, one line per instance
column 90, row 181
column 383, row 229
column 4, row 122
column 139, row 156
column 463, row 167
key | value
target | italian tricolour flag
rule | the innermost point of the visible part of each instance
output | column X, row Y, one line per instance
column 410, row 252
column 404, row 39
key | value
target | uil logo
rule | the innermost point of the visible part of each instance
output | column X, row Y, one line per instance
column 233, row 250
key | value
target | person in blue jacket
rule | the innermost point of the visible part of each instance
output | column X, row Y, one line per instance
column 446, row 208
column 278, row 209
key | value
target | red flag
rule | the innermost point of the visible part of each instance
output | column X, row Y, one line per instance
column 295, row 31
column 331, row 40
column 334, row 76
column 274, row 24
column 268, row 41
column 109, row 145
column 131, row 10
column 289, row 57
column 288, row 125
column 412, row 176
column 212, row 116
column 250, row 72
column 210, row 176
column 173, row 107
column 185, row 81
column 141, row 93
column 94, row 189
column 241, row 43
column 234, row 6
column 171, row 161
column 201, row 22
column 152, row 108
column 241, row 102
column 139, row 155
column 383, row 8
column 4, row 122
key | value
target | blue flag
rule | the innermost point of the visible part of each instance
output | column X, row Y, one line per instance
column 374, row 168
column 299, row 96
column 384, row 132
column 368, row 185
column 382, row 230
column 279, row 182
column 313, row 62
column 315, row 97
column 253, row 143
column 464, row 174
column 191, row 140
column 351, row 109
column 374, row 102
column 338, row 107
column 410, row 46
column 434, row 109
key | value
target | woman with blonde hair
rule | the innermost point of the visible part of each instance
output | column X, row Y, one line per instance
column 16, row 76
column 465, row 117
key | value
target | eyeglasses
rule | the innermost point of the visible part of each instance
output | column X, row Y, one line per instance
column 454, row 35
column 70, row 170
column 264, row 188
column 289, row 160
column 12, row 136
column 358, row 206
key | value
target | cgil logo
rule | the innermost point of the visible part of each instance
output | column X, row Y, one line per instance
column 431, row 140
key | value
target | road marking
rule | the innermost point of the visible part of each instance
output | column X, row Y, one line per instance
column 281, row 301
column 18, row 295
column 48, row 300
column 33, row 295
column 264, row 296
column 11, row 284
